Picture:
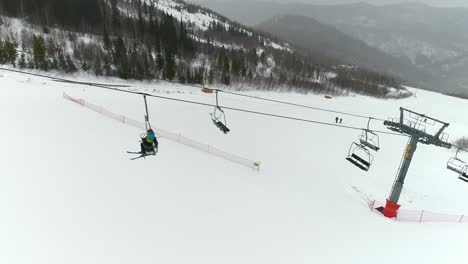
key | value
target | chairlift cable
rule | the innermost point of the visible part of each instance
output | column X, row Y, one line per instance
column 216, row 90
column 459, row 149
column 256, row 97
column 257, row 113
column 300, row 105
column 209, row 105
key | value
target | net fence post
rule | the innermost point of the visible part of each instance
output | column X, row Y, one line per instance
column 461, row 218
column 372, row 205
column 420, row 218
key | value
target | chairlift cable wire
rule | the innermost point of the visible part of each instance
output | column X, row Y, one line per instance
column 206, row 104
column 256, row 97
column 300, row 105
column 460, row 148
column 249, row 111
column 257, row 113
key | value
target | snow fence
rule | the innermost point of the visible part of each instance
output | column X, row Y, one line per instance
column 420, row 216
column 166, row 134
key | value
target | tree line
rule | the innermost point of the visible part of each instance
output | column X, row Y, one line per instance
column 146, row 43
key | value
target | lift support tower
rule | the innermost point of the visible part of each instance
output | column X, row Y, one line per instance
column 420, row 128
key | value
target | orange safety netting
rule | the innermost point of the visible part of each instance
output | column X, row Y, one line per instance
column 166, row 134
column 404, row 215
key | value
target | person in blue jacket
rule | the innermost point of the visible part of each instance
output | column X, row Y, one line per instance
column 149, row 143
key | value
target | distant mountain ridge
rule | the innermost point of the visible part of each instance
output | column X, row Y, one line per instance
column 434, row 40
column 312, row 35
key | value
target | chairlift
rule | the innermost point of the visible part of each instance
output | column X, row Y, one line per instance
column 369, row 138
column 147, row 148
column 457, row 165
column 219, row 117
column 360, row 156
column 463, row 177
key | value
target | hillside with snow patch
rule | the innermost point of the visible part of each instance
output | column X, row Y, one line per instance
column 201, row 18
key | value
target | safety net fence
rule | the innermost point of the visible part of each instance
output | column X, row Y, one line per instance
column 419, row 216
column 178, row 138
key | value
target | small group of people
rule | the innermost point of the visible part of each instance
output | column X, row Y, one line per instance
column 149, row 143
column 338, row 120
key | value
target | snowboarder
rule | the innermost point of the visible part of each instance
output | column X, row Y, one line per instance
column 149, row 143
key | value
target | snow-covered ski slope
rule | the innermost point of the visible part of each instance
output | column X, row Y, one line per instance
column 70, row 194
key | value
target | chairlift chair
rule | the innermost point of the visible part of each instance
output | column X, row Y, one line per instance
column 457, row 165
column 218, row 116
column 463, row 177
column 149, row 150
column 219, row 119
column 370, row 140
column 146, row 149
column 360, row 156
column 153, row 149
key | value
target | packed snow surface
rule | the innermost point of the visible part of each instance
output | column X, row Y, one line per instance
column 70, row 194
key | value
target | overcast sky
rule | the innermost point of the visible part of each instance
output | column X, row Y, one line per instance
column 443, row 3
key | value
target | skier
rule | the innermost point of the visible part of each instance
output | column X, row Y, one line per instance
column 149, row 143
column 336, row 120
column 341, row 120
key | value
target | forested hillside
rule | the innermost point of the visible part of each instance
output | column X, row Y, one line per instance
column 169, row 40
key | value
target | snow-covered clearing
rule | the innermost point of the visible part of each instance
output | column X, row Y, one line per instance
column 70, row 194
column 202, row 19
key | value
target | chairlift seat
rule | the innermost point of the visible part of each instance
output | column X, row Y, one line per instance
column 222, row 127
column 457, row 165
column 147, row 148
column 456, row 169
column 355, row 156
column 370, row 139
column 219, row 120
column 464, row 178
column 369, row 145
column 357, row 164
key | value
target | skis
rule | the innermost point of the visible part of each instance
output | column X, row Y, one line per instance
column 142, row 155
column 139, row 157
column 135, row 152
